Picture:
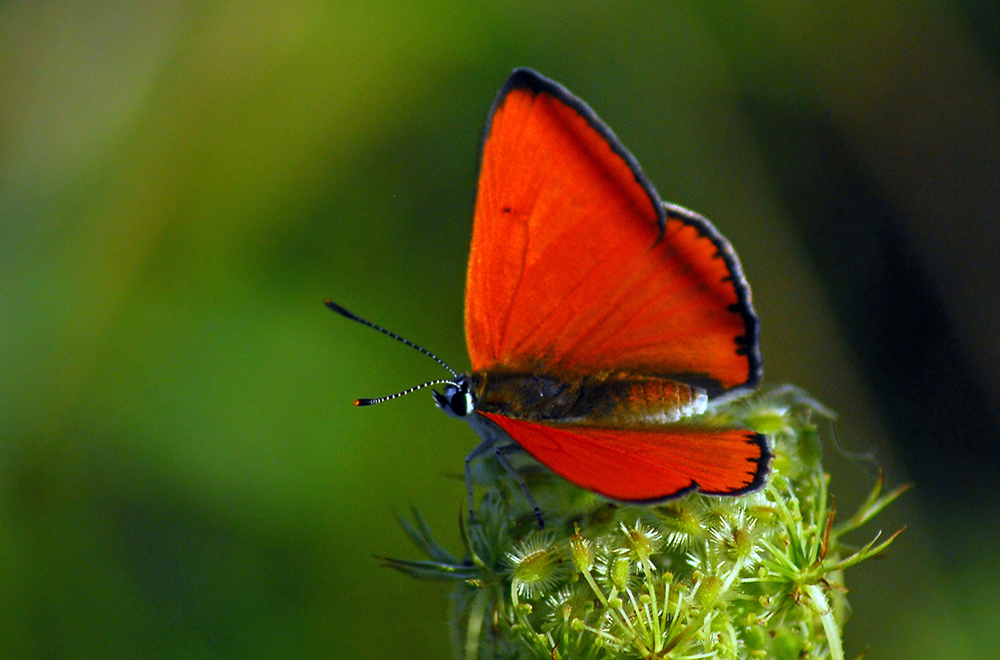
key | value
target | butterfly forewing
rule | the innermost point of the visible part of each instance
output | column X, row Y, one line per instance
column 577, row 267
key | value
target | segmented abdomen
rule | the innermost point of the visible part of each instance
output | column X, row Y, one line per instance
column 614, row 400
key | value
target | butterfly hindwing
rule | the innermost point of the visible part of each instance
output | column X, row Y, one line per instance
column 645, row 465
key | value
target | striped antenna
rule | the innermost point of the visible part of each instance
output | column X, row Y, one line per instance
column 371, row 402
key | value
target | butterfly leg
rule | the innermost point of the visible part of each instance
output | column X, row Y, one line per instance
column 496, row 438
column 483, row 447
column 511, row 448
column 500, row 453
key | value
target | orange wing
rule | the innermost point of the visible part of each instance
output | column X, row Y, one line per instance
column 577, row 266
column 646, row 466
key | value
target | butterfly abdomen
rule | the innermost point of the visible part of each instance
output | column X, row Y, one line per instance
column 612, row 400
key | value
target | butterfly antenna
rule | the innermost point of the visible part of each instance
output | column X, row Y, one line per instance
column 372, row 402
column 354, row 317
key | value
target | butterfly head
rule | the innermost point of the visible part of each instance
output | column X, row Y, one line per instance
column 457, row 399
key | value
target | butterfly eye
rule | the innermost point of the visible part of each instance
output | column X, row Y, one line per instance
column 456, row 400
column 462, row 403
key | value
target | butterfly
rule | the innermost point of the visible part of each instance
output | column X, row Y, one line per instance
column 600, row 321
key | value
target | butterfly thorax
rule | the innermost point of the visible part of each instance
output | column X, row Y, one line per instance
column 607, row 399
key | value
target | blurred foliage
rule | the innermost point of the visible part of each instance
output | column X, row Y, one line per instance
column 182, row 184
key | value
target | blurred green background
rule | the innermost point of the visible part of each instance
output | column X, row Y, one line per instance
column 182, row 184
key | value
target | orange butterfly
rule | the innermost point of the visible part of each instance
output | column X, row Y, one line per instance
column 599, row 319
